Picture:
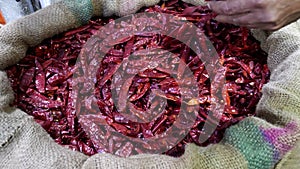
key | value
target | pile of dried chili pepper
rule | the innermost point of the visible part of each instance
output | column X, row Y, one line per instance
column 43, row 83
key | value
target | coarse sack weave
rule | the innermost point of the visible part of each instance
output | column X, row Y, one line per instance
column 267, row 141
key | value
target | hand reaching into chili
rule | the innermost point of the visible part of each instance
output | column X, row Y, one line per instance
column 262, row 14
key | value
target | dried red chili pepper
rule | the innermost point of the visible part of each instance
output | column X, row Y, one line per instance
column 43, row 84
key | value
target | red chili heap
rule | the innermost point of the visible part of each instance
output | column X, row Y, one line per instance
column 44, row 85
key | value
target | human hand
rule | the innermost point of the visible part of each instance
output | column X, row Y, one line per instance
column 262, row 14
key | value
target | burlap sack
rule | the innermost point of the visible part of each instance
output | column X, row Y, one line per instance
column 255, row 143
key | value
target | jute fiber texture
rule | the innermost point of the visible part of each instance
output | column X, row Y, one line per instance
column 267, row 141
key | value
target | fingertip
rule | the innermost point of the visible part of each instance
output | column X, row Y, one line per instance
column 209, row 6
column 218, row 18
column 223, row 19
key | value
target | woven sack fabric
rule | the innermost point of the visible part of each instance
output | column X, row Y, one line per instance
column 267, row 141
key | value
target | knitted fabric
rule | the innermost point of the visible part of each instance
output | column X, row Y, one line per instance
column 266, row 141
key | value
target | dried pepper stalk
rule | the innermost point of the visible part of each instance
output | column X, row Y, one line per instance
column 43, row 84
